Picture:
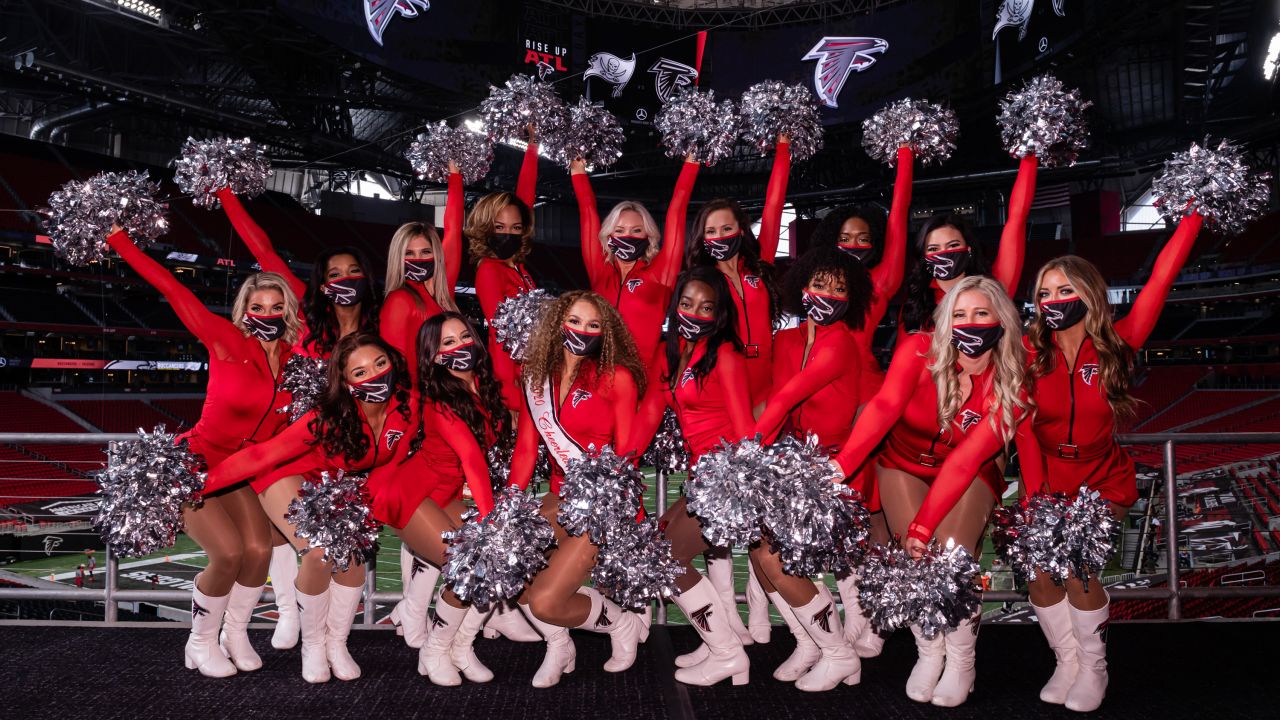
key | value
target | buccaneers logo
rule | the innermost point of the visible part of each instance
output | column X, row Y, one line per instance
column 1017, row 13
column 968, row 419
column 669, row 76
column 378, row 13
column 1088, row 372
column 393, row 436
column 633, row 284
column 612, row 69
column 578, row 396
column 837, row 57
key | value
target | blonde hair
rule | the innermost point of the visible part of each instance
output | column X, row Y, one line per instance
column 269, row 281
column 545, row 355
column 1009, row 358
column 1115, row 357
column 650, row 226
column 438, row 285
column 480, row 224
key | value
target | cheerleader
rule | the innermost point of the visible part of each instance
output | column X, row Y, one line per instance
column 355, row 428
column 949, row 389
column 582, row 380
column 242, row 407
column 1082, row 364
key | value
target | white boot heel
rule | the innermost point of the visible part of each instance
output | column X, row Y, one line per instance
column 434, row 659
column 725, row 656
column 284, row 572
column 806, row 654
column 931, row 655
column 202, row 652
column 1055, row 623
column 343, row 602
column 235, row 635
column 313, row 616
column 463, row 652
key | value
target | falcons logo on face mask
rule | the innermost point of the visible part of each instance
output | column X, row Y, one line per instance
column 686, row 376
column 968, row 419
column 340, row 293
column 378, row 13
column 965, row 342
column 612, row 69
column 1052, row 315
column 669, row 76
column 1087, row 372
column 837, row 57
column 633, row 284
column 393, row 436
column 373, row 391
column 753, row 281
column 578, row 396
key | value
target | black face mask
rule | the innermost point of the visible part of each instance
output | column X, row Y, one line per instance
column 948, row 264
column 505, row 245
column 824, row 309
column 579, row 342
column 723, row 248
column 462, row 358
column 692, row 327
column 265, row 327
column 627, row 248
column 1062, row 314
column 346, row 291
column 376, row 389
column 419, row 270
column 861, row 253
column 973, row 340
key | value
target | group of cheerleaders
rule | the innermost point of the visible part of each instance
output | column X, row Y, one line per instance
column 415, row 398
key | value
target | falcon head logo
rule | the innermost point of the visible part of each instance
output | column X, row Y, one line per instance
column 966, row 342
column 1017, row 13
column 437, row 621
column 378, row 13
column 417, row 567
column 686, row 376
column 544, row 69
column 1102, row 629
column 702, row 617
column 634, row 283
column 578, row 396
column 837, row 57
column 669, row 76
column 612, row 69
column 393, row 436
column 603, row 621
column 753, row 281
column 198, row 610
column 51, row 543
column 822, row 618
column 1088, row 372
column 968, row 419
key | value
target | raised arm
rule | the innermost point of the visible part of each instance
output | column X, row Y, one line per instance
column 825, row 365
column 588, row 224
column 474, row 466
column 887, row 406
column 296, row 440
column 258, row 241
column 525, row 454
column 527, row 185
column 452, row 240
column 673, row 229
column 395, row 321
column 1013, row 240
column 886, row 276
column 775, row 197
column 1136, row 327
column 980, row 445
column 732, row 369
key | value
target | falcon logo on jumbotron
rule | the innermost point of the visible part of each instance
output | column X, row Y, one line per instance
column 1088, row 372
column 837, row 57
column 634, row 283
column 669, row 76
column 379, row 13
column 968, row 419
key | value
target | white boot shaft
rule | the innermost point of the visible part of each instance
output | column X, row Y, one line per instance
column 508, row 622
column 839, row 663
column 561, row 657
column 623, row 628
column 343, row 603
column 284, row 573
column 759, row 626
column 1055, row 623
column 418, row 579
column 931, row 655
column 235, row 627
column 806, row 654
column 462, row 651
column 202, row 652
column 313, row 620
column 1089, row 689
column 434, row 658
column 958, row 676
column 857, row 628
column 725, row 656
column 720, row 572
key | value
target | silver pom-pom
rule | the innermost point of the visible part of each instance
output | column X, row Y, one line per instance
column 491, row 559
column 207, row 166
column 1214, row 182
column 814, row 524
column 635, row 566
column 1044, row 119
column 306, row 379
column 936, row 592
column 930, row 130
column 80, row 214
column 600, row 492
column 144, row 487
column 668, row 452
column 333, row 515
column 771, row 108
column 693, row 123
column 1089, row 530
column 514, row 319
column 727, row 490
column 523, row 101
column 498, row 458
column 592, row 134
column 1056, row 535
column 429, row 154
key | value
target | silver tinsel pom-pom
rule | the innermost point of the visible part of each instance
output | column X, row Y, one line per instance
column 693, row 123
column 601, row 491
column 1044, row 119
column 1056, row 535
column 771, row 108
column 429, row 154
column 635, row 566
column 523, row 101
column 930, row 130
column 207, row 166
column 144, row 487
column 80, row 214
column 727, row 490
column 1089, row 530
column 668, row 452
column 814, row 524
column 1214, row 182
column 333, row 515
column 514, row 319
column 936, row 592
column 491, row 559
column 306, row 379
column 592, row 134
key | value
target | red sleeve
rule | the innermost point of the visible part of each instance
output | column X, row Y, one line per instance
column 474, row 466
column 1030, row 459
column 775, row 198
column 393, row 325
column 648, row 417
column 956, row 475
column 732, row 369
column 258, row 241
column 527, row 185
column 838, row 359
column 294, row 442
column 677, row 212
column 490, row 289
column 525, row 454
column 1013, row 240
column 1136, row 327
column 886, row 276
column 452, row 240
column 589, row 229
column 625, row 401
column 887, row 406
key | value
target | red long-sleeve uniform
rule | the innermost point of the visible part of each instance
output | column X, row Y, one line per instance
column 241, row 403
column 819, row 394
column 1074, row 423
column 641, row 297
column 886, row 276
column 598, row 410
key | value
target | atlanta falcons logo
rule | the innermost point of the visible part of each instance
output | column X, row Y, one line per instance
column 603, row 621
column 1017, row 13
column 612, row 69
column 1102, row 629
column 753, row 281
column 1087, row 372
column 822, row 618
column 378, row 13
column 197, row 610
column 393, row 436
column 437, row 621
column 578, row 396
column 669, row 76
column 417, row 567
column 544, row 69
column 339, row 294
column 968, row 419
column 51, row 543
column 837, row 57
column 686, row 376
column 701, row 617
column 965, row 341
column 633, row 284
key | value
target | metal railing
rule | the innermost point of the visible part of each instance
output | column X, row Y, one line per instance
column 1173, row 592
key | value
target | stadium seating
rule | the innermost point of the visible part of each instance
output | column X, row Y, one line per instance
column 118, row 415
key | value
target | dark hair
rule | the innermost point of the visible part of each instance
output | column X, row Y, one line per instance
column 438, row 386
column 337, row 424
column 724, row 331
column 827, row 260
column 695, row 253
column 322, row 320
column 828, row 232
column 917, row 311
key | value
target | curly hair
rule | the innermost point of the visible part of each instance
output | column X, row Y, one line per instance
column 826, row 260
column 695, row 253
column 445, row 391
column 545, row 356
column 1115, row 357
column 322, row 319
column 827, row 233
column 917, row 311
column 479, row 225
column 337, row 425
column 724, row 329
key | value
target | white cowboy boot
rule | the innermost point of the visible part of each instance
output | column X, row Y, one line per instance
column 284, row 573
column 418, row 580
column 839, row 663
column 720, row 572
column 725, row 656
column 511, row 624
column 202, row 652
column 865, row 640
column 931, row 655
column 958, row 675
column 1055, row 623
column 561, row 654
column 623, row 628
column 235, row 624
column 806, row 653
column 759, row 626
column 313, row 619
column 343, row 603
column 434, row 659
column 463, row 653
column 1090, row 687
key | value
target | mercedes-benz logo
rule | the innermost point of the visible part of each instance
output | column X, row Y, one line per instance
column 1044, row 44
column 642, row 114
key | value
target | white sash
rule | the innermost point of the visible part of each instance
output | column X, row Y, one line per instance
column 542, row 408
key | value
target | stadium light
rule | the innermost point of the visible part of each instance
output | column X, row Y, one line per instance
column 1272, row 61
column 140, row 7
